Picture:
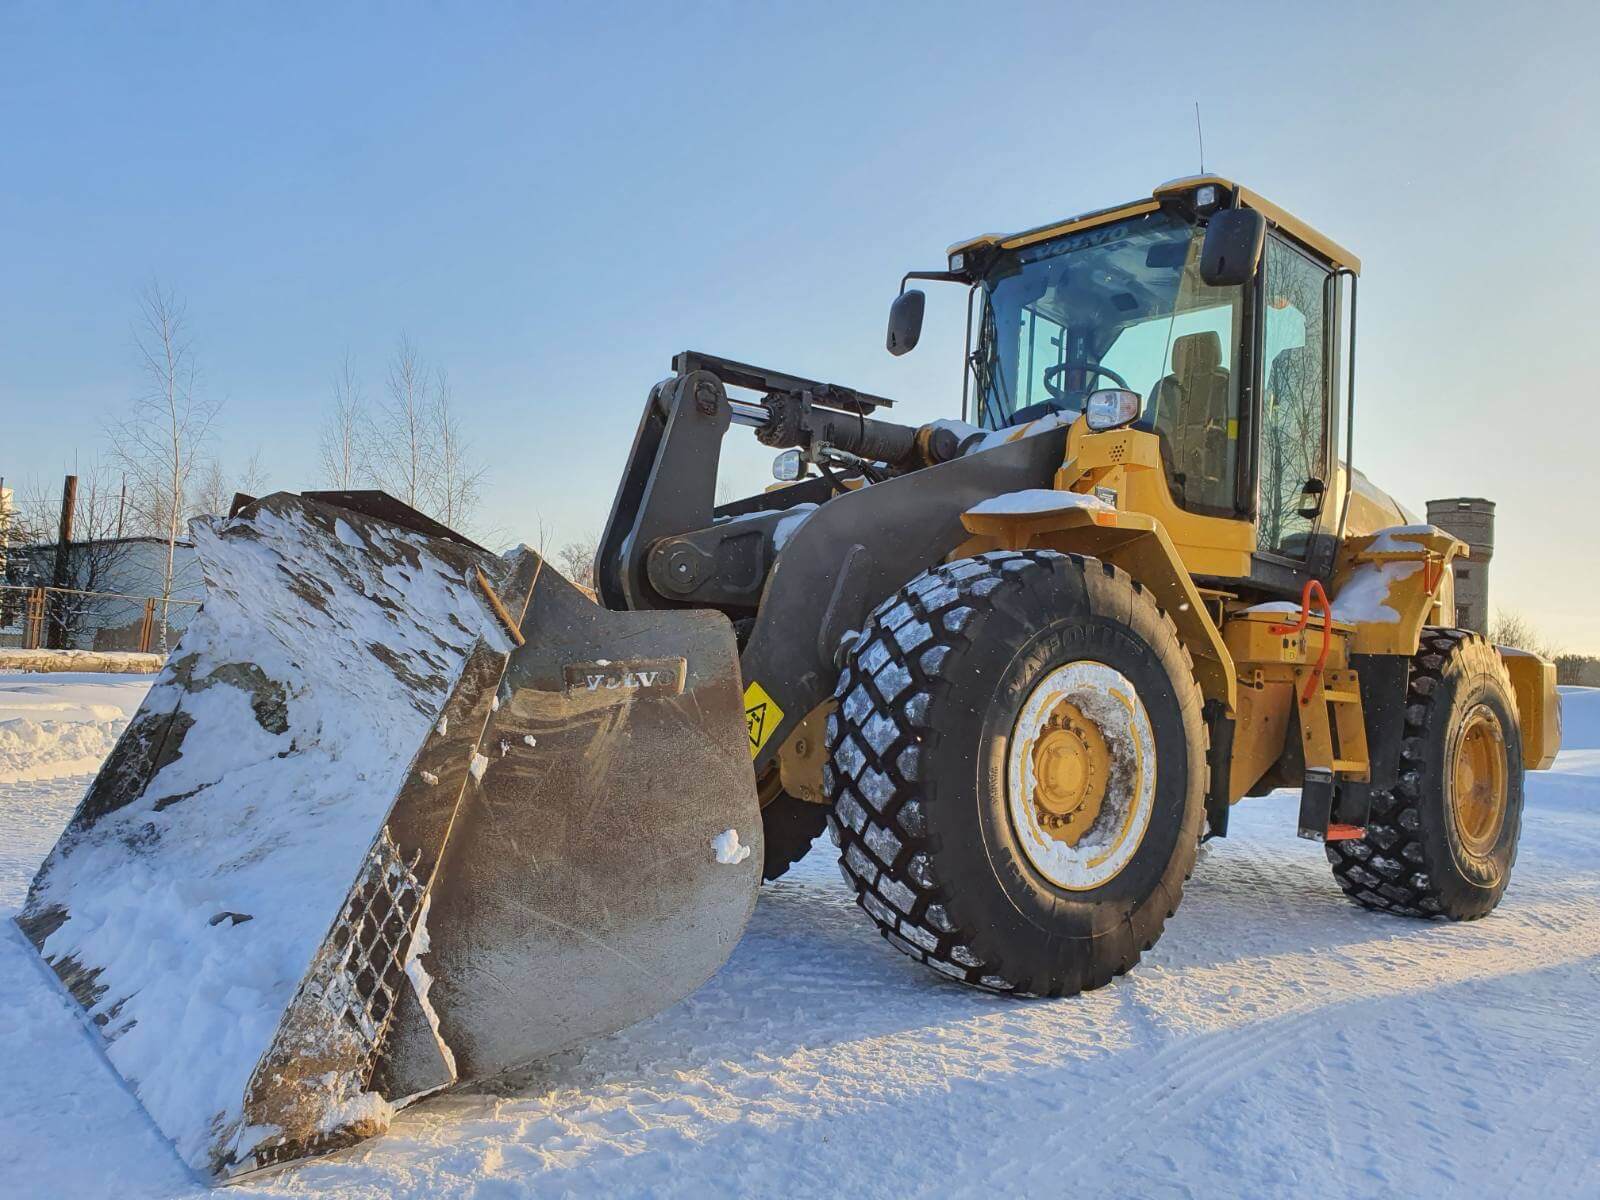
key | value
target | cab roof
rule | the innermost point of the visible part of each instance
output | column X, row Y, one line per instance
column 1285, row 221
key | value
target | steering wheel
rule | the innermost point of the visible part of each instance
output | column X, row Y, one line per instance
column 1053, row 374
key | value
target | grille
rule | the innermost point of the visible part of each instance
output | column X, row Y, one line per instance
column 370, row 939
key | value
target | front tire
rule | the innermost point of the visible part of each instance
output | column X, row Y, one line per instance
column 1442, row 842
column 1016, row 771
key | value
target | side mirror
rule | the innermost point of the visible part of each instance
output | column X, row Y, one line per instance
column 905, row 321
column 1232, row 249
column 1309, row 506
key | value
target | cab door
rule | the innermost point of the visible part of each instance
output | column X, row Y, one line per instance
column 1296, row 420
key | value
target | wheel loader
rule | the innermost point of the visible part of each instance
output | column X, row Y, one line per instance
column 401, row 813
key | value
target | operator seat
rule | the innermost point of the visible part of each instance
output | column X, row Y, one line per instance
column 1192, row 410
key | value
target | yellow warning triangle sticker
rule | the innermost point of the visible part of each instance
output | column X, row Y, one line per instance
column 762, row 716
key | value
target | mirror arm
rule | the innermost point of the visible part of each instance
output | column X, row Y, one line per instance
column 902, row 340
column 935, row 276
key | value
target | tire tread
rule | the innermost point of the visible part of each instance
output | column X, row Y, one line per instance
column 1387, row 870
column 878, row 738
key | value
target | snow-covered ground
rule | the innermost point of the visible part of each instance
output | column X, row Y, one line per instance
column 1277, row 1041
column 62, row 724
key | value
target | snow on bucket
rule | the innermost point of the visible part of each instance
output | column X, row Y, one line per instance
column 290, row 894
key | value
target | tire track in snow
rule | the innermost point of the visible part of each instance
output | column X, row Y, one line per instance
column 1223, row 1022
column 1563, row 1109
column 1170, row 1086
column 819, row 1060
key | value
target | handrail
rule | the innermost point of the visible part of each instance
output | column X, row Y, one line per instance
column 1313, row 589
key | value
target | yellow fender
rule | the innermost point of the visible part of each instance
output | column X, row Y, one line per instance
column 1077, row 523
column 1533, row 682
column 1392, row 583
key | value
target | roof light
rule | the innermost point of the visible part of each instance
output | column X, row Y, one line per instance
column 958, row 262
column 1205, row 196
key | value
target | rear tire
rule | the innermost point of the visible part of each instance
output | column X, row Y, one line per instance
column 934, row 704
column 1430, row 850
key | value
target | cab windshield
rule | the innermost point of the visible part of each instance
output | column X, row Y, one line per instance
column 1120, row 305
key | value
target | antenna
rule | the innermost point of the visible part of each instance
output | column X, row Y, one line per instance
column 1200, row 134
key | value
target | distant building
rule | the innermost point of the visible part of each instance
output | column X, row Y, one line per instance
column 120, row 575
column 1470, row 518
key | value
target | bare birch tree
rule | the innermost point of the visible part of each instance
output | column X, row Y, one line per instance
column 215, row 488
column 538, row 539
column 457, row 481
column 403, row 457
column 344, row 450
column 575, row 560
column 1508, row 627
column 253, row 479
column 412, row 446
column 158, row 442
column 211, row 493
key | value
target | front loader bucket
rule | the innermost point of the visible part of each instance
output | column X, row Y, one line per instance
column 397, row 814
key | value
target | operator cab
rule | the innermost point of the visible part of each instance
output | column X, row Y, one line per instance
column 1232, row 351
column 1120, row 305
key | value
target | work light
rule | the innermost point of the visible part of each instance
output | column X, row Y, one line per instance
column 1109, row 408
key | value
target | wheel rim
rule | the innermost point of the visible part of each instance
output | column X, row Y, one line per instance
column 1478, row 781
column 1080, row 775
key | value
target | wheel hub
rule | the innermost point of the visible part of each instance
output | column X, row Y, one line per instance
column 1080, row 775
column 1478, row 778
column 1070, row 768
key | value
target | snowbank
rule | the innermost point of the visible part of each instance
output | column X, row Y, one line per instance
column 112, row 662
column 1580, row 734
column 31, row 750
column 62, row 724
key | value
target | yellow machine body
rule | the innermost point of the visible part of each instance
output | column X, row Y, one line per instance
column 1270, row 667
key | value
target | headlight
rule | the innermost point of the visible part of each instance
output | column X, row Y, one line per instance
column 1109, row 408
column 788, row 466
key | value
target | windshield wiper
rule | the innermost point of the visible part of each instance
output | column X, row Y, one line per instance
column 985, row 369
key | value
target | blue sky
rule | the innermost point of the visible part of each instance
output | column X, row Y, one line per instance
column 552, row 201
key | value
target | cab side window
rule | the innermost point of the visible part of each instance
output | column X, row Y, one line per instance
column 1294, row 408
